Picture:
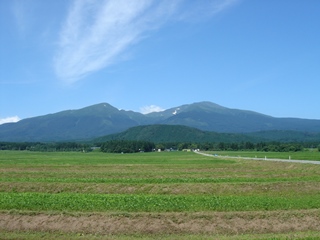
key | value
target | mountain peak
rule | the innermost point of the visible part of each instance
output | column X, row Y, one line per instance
column 206, row 106
column 102, row 119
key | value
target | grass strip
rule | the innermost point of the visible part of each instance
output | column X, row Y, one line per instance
column 151, row 203
column 164, row 180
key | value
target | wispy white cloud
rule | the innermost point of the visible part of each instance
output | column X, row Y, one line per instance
column 151, row 108
column 218, row 6
column 97, row 32
column 193, row 11
column 9, row 120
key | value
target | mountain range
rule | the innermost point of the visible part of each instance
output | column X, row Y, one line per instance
column 103, row 119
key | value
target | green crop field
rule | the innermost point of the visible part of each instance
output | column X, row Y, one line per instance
column 160, row 195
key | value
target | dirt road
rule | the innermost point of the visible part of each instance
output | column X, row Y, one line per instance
column 261, row 159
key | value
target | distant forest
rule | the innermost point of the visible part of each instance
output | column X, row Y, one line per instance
column 46, row 147
column 131, row 146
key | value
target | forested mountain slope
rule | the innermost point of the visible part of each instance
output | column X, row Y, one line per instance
column 104, row 119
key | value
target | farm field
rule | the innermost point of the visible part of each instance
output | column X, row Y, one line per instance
column 160, row 195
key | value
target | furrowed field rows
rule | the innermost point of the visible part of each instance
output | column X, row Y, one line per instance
column 163, row 180
column 169, row 225
column 165, row 172
column 151, row 203
column 222, row 189
column 155, row 193
column 58, row 159
column 257, row 169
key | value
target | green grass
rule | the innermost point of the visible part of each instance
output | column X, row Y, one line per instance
column 96, row 158
column 166, row 182
column 162, row 180
column 151, row 203
column 150, row 169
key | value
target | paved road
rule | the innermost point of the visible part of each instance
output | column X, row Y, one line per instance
column 261, row 159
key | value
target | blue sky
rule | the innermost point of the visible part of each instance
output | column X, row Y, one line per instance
column 150, row 55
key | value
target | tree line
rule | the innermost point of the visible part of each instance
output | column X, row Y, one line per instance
column 128, row 146
column 242, row 146
column 46, row 147
column 124, row 146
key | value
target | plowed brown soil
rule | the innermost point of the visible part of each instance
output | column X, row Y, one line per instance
column 165, row 223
